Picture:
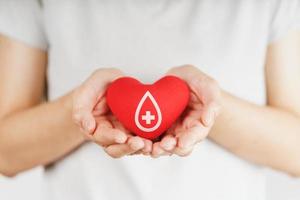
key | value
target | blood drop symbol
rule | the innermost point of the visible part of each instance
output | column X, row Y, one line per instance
column 148, row 117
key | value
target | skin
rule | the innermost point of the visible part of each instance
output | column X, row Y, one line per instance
column 272, row 137
column 91, row 114
column 33, row 132
column 195, row 125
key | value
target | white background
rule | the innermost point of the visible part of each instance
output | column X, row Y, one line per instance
column 27, row 186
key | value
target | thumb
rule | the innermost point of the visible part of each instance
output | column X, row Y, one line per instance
column 87, row 96
column 85, row 120
column 101, row 107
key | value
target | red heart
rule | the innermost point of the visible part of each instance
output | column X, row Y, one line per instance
column 147, row 110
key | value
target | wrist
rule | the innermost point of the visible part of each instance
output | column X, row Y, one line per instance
column 224, row 117
column 66, row 104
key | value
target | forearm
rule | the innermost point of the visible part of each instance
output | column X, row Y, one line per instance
column 37, row 136
column 261, row 134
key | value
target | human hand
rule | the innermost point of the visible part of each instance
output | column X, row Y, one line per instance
column 91, row 114
column 197, row 120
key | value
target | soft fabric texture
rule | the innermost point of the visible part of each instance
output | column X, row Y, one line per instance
column 226, row 39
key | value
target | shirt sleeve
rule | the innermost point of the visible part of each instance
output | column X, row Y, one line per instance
column 22, row 20
column 285, row 17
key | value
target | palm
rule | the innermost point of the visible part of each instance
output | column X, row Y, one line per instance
column 198, row 118
column 93, row 117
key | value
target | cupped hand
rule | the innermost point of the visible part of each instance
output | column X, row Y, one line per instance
column 198, row 118
column 91, row 114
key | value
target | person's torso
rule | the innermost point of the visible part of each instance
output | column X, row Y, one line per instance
column 227, row 40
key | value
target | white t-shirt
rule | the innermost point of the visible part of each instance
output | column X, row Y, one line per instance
column 226, row 39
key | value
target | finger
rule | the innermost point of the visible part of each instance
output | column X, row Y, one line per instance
column 85, row 121
column 184, row 148
column 136, row 143
column 133, row 145
column 101, row 107
column 208, row 94
column 210, row 113
column 148, row 147
column 105, row 135
column 183, row 152
column 86, row 97
column 117, row 124
column 168, row 143
column 192, row 118
column 188, row 138
column 205, row 93
column 139, row 152
column 204, row 110
column 158, row 151
column 198, row 112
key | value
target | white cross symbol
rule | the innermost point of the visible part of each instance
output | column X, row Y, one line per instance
column 148, row 117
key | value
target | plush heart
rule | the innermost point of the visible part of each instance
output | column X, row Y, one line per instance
column 147, row 110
